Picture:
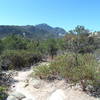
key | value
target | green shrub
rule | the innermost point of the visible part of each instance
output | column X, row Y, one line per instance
column 3, row 95
column 83, row 69
column 42, row 71
column 17, row 59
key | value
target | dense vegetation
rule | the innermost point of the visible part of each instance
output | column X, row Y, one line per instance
column 3, row 95
column 18, row 51
column 74, row 56
column 83, row 71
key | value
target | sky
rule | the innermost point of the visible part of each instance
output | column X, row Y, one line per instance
column 57, row 13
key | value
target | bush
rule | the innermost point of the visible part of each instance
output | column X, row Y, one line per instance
column 3, row 95
column 42, row 71
column 14, row 42
column 84, row 70
column 17, row 59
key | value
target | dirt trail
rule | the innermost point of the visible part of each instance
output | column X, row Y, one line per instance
column 35, row 89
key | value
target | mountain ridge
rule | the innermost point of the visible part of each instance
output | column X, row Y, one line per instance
column 32, row 31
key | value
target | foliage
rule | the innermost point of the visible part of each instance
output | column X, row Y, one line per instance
column 75, row 63
column 80, row 43
column 3, row 95
column 51, row 47
column 14, row 42
column 12, row 59
column 81, row 30
column 65, row 66
column 43, row 71
column 1, row 47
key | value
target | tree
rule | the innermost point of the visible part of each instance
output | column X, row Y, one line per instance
column 14, row 42
column 51, row 47
column 1, row 46
column 79, row 41
column 81, row 30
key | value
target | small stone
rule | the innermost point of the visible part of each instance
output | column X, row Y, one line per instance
column 18, row 95
column 26, row 85
column 11, row 98
column 89, row 88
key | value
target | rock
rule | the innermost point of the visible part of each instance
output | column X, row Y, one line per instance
column 57, row 95
column 36, row 83
column 18, row 95
column 89, row 88
column 26, row 85
column 27, row 99
column 12, row 98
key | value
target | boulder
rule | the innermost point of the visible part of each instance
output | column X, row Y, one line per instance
column 35, row 83
column 12, row 98
column 18, row 95
column 57, row 95
column 27, row 99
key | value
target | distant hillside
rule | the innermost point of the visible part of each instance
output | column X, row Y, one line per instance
column 50, row 29
column 30, row 31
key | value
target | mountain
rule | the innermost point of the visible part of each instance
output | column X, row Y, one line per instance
column 30, row 31
column 54, row 30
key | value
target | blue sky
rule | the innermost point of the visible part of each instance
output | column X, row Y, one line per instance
column 63, row 13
